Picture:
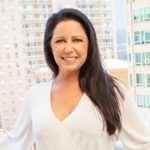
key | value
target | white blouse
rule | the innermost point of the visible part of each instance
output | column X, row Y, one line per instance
column 81, row 130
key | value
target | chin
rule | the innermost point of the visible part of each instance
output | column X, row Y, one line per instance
column 71, row 69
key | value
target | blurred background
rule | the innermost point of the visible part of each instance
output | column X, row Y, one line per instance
column 123, row 34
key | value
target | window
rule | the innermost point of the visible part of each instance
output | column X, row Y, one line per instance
column 128, row 39
column 28, row 44
column 30, row 63
column 148, row 80
column 148, row 100
column 140, row 100
column 137, row 15
column 138, row 59
column 128, row 18
column 147, row 14
column 143, row 59
column 148, row 58
column 142, row 14
column 143, row 80
column 143, row 100
column 16, row 54
column 17, row 65
column 137, row 37
column 139, row 79
column 43, row 6
column 15, row 45
column 141, row 37
column 130, row 57
column 147, row 36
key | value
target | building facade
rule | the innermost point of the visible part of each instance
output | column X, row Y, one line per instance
column 139, row 53
column 13, row 84
column 120, row 15
column 102, row 16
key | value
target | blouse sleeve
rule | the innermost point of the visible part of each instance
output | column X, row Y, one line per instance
column 20, row 137
column 134, row 134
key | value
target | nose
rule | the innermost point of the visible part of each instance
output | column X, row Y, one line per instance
column 68, row 48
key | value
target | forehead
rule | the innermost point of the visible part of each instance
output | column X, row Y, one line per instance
column 69, row 27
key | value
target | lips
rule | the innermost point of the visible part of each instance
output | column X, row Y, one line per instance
column 70, row 59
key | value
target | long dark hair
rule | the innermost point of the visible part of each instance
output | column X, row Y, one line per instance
column 102, row 88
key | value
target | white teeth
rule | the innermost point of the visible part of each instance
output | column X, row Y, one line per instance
column 69, row 58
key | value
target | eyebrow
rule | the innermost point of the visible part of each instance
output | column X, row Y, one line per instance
column 59, row 37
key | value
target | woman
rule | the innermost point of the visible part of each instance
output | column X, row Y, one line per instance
column 82, row 107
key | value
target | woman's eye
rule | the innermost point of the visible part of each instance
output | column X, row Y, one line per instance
column 59, row 41
column 78, row 40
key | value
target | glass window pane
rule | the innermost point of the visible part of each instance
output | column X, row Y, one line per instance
column 129, row 40
column 148, row 80
column 129, row 57
column 140, row 100
column 144, row 80
column 142, row 37
column 137, row 37
column 138, row 59
column 143, row 58
column 139, row 79
column 148, row 99
column 147, row 14
column 147, row 36
column 148, row 58
column 141, row 14
column 136, row 15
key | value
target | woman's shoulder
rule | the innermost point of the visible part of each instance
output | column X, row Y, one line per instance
column 38, row 87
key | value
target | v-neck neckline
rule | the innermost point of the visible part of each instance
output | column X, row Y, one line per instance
column 50, row 105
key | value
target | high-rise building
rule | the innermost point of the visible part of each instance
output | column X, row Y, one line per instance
column 22, row 62
column 34, row 15
column 101, row 14
column 120, row 20
column 13, row 83
column 139, row 53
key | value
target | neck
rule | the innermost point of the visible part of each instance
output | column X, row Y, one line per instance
column 69, row 79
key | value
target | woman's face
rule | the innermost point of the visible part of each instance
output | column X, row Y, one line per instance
column 69, row 45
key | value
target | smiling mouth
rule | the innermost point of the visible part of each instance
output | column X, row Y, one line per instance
column 69, row 58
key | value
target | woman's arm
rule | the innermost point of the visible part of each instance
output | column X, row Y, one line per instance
column 134, row 134
column 20, row 138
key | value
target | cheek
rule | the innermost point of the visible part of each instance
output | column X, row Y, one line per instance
column 56, row 56
column 55, row 53
column 85, row 50
column 55, row 50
